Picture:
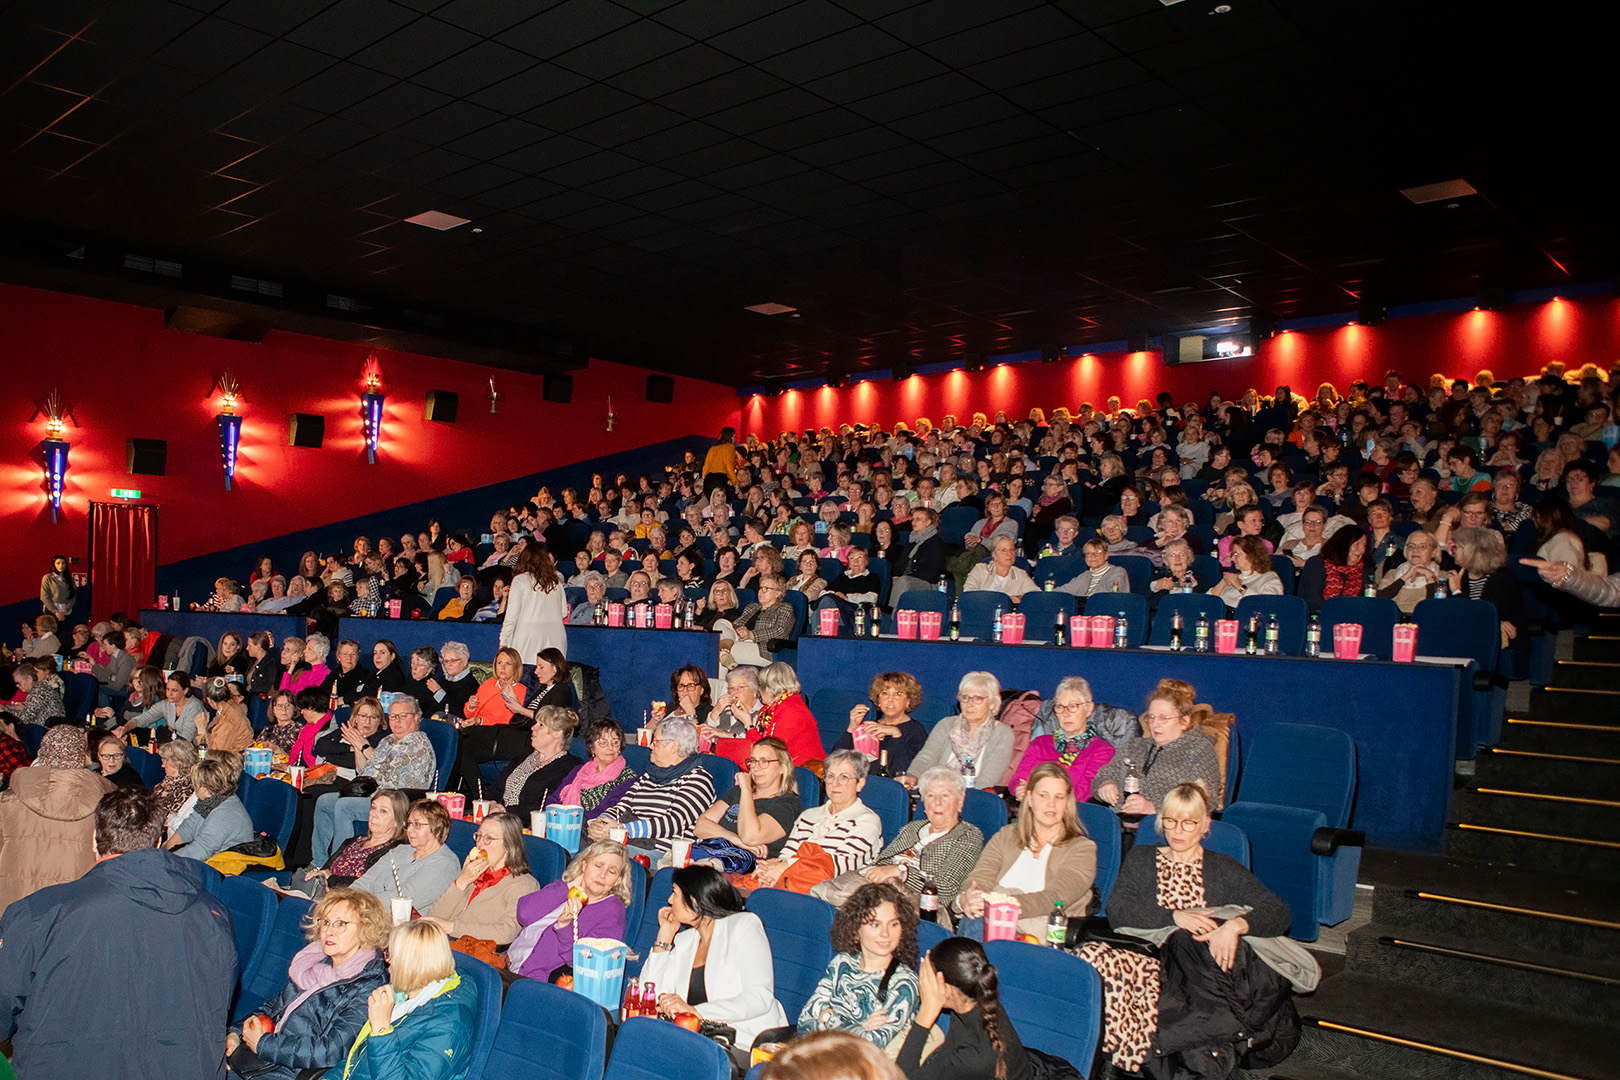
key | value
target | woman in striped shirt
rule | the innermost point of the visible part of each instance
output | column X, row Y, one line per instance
column 843, row 827
column 665, row 801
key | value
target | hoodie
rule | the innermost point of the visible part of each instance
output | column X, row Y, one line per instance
column 47, row 824
column 138, row 930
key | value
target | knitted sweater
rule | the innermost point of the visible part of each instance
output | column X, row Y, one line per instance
column 852, row 836
column 1188, row 759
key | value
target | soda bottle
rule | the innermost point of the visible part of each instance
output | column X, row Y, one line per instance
column 1132, row 784
column 1201, row 633
column 1057, row 927
column 1048, row 586
column 632, row 1000
column 875, row 624
column 1369, row 590
column 1251, row 643
column 1116, row 587
column 956, row 623
column 1122, row 635
column 1061, row 631
column 883, row 763
column 860, row 620
column 1313, row 638
column 1175, row 632
column 995, row 626
column 1273, row 634
column 649, row 999
column 928, row 901
column 690, row 616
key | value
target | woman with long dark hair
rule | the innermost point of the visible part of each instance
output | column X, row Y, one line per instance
column 57, row 593
column 536, row 607
column 957, row 977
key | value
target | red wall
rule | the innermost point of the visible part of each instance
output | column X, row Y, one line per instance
column 1517, row 341
column 124, row 375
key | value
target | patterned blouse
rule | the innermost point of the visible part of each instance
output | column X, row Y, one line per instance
column 281, row 735
column 847, row 995
column 403, row 763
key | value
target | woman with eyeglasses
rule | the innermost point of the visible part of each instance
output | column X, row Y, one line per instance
column 482, row 901
column 1204, row 965
column 689, row 694
column 1168, row 753
column 1076, row 744
column 841, row 836
column 323, row 1006
column 420, row 869
column 783, row 713
column 756, row 814
column 973, row 742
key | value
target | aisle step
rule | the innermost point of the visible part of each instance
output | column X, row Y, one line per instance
column 1579, row 816
column 1561, row 737
column 1586, row 674
column 1584, row 931
column 1538, row 770
column 1600, row 708
column 1529, row 850
column 1601, row 646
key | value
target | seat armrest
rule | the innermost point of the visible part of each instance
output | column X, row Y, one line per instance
column 1326, row 841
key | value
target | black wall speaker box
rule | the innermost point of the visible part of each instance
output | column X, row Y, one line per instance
column 441, row 406
column 559, row 388
column 148, row 457
column 306, row 429
column 661, row 389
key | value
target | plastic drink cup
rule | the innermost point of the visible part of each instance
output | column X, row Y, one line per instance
column 1405, row 643
column 400, row 906
column 619, row 834
column 680, row 853
column 482, row 808
column 296, row 775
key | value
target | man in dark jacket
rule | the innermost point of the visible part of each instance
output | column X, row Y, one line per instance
column 138, row 930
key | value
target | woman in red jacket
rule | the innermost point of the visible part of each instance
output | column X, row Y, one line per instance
column 786, row 715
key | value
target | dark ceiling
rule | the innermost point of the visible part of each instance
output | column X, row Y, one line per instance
column 920, row 179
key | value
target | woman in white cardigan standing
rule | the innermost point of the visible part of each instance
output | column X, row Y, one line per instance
column 536, row 607
column 712, row 957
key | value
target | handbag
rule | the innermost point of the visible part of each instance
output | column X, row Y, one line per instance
column 361, row 787
column 480, row 949
column 732, row 859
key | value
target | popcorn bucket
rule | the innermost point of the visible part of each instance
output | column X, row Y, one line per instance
column 295, row 777
column 1347, row 640
column 400, row 908
column 1102, row 631
column 865, row 743
column 615, row 614
column 1405, row 643
column 453, row 801
column 1000, row 922
column 1012, row 628
column 928, row 623
column 599, row 970
column 1226, row 636
column 163, row 603
column 828, row 617
column 906, row 623
column 81, row 666
column 561, row 824
column 1079, row 631
column 664, row 617
column 256, row 761
column 482, row 808
column 680, row 853
column 394, row 609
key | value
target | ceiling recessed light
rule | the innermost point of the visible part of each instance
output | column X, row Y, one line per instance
column 437, row 219
column 1446, row 189
column 770, row 309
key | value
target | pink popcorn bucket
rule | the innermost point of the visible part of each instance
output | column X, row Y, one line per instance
column 1012, row 628
column 828, row 618
column 452, row 801
column 643, row 618
column 1347, row 640
column 1079, row 631
column 928, row 623
column 1000, row 922
column 1102, row 631
column 906, row 623
column 1405, row 643
column 615, row 614
column 664, row 616
column 1226, row 636
column 394, row 608
column 865, row 743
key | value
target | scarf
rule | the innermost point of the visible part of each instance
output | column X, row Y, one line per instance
column 520, row 776
column 1342, row 580
column 668, row 774
column 918, row 538
column 488, row 879
column 311, row 970
column 1068, row 748
column 303, row 747
column 590, row 775
column 968, row 748
column 207, row 806
column 989, row 527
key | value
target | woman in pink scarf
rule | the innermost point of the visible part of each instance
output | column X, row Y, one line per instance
column 604, row 773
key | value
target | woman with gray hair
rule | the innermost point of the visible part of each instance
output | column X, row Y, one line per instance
column 1483, row 574
column 973, row 742
column 665, row 801
column 316, row 648
column 595, row 586
column 1076, row 744
column 939, row 847
column 838, row 837
column 783, row 713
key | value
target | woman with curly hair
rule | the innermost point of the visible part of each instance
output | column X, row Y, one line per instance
column 870, row 988
column 957, row 977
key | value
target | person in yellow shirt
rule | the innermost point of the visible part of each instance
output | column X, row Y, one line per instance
column 720, row 465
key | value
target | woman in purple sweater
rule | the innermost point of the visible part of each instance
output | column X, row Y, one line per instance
column 1074, row 744
column 589, row 901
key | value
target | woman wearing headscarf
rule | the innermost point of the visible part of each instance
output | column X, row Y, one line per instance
column 48, row 817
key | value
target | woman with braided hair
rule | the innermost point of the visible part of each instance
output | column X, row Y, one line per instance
column 956, row 976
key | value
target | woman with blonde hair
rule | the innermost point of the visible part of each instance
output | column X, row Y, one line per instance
column 1168, row 753
column 420, row 1023
column 553, row 918
column 317, row 1015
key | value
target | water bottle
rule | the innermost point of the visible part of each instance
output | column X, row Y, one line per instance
column 1048, row 586
column 995, row 626
column 690, row 616
column 1122, row 632
column 1369, row 590
column 1440, row 591
column 860, row 620
column 1175, row 632
column 1313, row 637
column 1273, row 635
column 942, row 586
column 1057, row 927
column 1201, row 633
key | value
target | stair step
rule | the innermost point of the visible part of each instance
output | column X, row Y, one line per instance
column 1529, row 850
column 1557, row 814
column 1496, row 970
column 1601, row 647
column 1538, row 770
column 1371, row 1027
column 1600, row 708
column 1586, row 674
column 1561, row 737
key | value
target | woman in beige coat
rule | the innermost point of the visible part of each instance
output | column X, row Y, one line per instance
column 48, row 817
column 482, row 901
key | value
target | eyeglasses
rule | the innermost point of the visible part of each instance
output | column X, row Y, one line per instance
column 415, row 824
column 971, row 699
column 761, row 761
column 1167, row 717
column 1181, row 824
column 688, row 686
column 839, row 778
column 1069, row 707
column 337, row 926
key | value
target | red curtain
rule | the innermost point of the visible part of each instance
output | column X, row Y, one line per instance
column 123, row 557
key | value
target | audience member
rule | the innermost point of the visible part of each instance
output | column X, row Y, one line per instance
column 973, row 742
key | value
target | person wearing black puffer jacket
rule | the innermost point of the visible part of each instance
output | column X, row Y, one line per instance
column 323, row 1006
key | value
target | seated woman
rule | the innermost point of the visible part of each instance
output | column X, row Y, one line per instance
column 317, row 721
column 493, row 728
column 840, row 836
column 939, row 847
column 1075, row 745
column 482, row 901
column 1177, row 575
column 230, row 659
column 177, row 710
column 457, row 609
column 424, row 662
column 1251, row 573
column 553, row 917
column 1043, row 858
column 353, row 743
column 217, row 821
column 1161, row 894
column 870, row 987
column 957, row 977
column 899, row 738
column 756, row 814
column 1099, row 576
column 1250, row 521
column 114, row 762
column 1484, row 575
column 720, row 606
column 689, row 694
column 1169, row 752
column 404, row 760
column 973, row 742
column 385, row 661
column 999, row 574
column 422, row 867
column 177, row 757
column 1340, row 570
column 595, row 586
column 42, row 687
column 663, row 803
column 385, row 830
column 711, row 957
column 315, row 673
column 784, row 714
column 323, row 1006
column 737, row 710
column 604, row 774
column 807, row 579
column 839, row 543
column 526, row 785
column 1418, row 578
column 230, row 728
column 422, row 1019
column 285, row 722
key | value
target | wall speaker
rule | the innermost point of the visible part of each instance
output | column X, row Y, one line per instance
column 441, row 406
column 559, row 388
column 148, row 457
column 306, row 429
column 661, row 389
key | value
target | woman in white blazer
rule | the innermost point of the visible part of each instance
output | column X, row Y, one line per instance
column 536, row 607
column 712, row 957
